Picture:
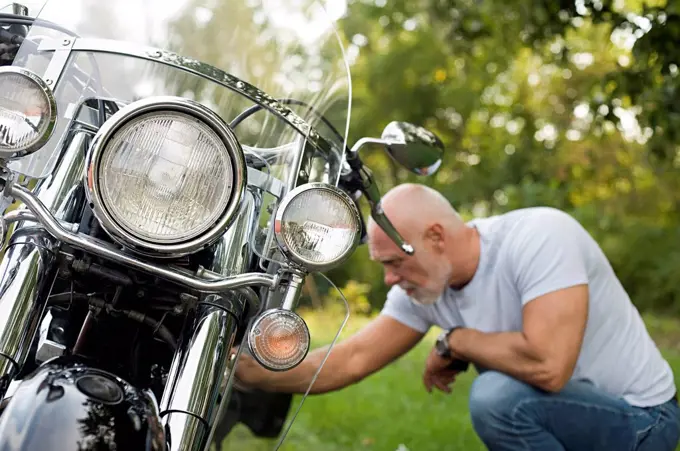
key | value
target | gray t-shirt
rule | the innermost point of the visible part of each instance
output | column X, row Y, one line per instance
column 530, row 252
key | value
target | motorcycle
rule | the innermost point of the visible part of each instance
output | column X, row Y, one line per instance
column 164, row 202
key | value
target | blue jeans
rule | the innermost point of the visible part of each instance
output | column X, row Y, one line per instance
column 509, row 415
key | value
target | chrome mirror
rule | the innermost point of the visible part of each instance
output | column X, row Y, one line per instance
column 414, row 147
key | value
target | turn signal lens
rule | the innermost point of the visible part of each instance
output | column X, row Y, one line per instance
column 279, row 339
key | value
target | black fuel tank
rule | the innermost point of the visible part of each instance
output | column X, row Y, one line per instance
column 66, row 405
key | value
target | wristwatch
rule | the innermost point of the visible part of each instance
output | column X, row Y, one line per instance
column 441, row 346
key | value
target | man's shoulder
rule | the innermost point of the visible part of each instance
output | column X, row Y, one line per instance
column 523, row 220
column 510, row 234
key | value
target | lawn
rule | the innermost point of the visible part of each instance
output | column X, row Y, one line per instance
column 391, row 410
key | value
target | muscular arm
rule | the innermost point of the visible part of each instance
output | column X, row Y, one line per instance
column 544, row 354
column 379, row 343
column 547, row 264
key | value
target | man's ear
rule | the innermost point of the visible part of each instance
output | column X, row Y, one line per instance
column 435, row 234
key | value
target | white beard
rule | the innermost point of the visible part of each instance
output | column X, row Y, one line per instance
column 425, row 297
column 430, row 294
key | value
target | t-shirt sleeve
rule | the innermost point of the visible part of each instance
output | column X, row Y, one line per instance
column 547, row 255
column 399, row 306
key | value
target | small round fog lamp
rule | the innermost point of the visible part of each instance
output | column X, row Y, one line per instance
column 28, row 112
column 317, row 226
column 279, row 339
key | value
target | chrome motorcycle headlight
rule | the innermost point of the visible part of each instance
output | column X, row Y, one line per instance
column 28, row 112
column 317, row 226
column 165, row 176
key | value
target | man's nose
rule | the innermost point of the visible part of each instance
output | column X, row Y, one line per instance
column 391, row 278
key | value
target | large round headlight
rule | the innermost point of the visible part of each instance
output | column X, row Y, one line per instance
column 317, row 226
column 28, row 112
column 165, row 176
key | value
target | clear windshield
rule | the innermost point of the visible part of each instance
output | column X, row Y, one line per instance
column 288, row 49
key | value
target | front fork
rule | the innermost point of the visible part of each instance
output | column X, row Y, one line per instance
column 191, row 398
column 199, row 380
column 27, row 272
column 29, row 266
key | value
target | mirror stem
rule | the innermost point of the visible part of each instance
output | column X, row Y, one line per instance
column 362, row 142
column 370, row 190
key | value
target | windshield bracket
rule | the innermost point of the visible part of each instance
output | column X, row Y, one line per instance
column 62, row 52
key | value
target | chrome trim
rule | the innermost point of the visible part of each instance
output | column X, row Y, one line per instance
column 19, row 9
column 197, row 374
column 59, row 189
column 364, row 141
column 23, row 215
column 296, row 165
column 27, row 272
column 47, row 348
column 3, row 231
column 293, row 290
column 52, row 118
column 58, row 63
column 231, row 254
column 19, row 215
column 157, row 104
column 247, row 292
column 265, row 182
column 28, row 267
column 280, row 211
column 105, row 250
column 203, row 70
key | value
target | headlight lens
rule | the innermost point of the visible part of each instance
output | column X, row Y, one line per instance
column 166, row 177
column 28, row 112
column 317, row 226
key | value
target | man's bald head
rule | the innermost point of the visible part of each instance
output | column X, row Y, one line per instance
column 426, row 220
column 412, row 208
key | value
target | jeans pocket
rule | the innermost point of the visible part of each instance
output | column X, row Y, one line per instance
column 663, row 432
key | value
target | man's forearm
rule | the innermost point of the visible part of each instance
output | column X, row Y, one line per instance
column 333, row 376
column 507, row 352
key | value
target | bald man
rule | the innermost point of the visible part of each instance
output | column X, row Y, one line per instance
column 527, row 297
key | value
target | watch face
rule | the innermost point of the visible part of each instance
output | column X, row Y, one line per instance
column 441, row 345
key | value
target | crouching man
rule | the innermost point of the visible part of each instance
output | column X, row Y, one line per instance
column 527, row 297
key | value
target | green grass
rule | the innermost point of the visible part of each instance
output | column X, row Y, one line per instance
column 391, row 410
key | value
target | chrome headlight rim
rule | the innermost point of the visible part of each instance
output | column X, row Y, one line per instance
column 289, row 253
column 52, row 117
column 165, row 104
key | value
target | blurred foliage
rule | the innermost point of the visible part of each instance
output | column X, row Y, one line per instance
column 572, row 104
column 568, row 103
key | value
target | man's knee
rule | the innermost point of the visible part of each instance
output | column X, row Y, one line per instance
column 494, row 397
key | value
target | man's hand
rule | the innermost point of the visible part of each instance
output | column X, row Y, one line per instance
column 249, row 373
column 437, row 373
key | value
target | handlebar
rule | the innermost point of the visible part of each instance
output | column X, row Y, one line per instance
column 361, row 178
